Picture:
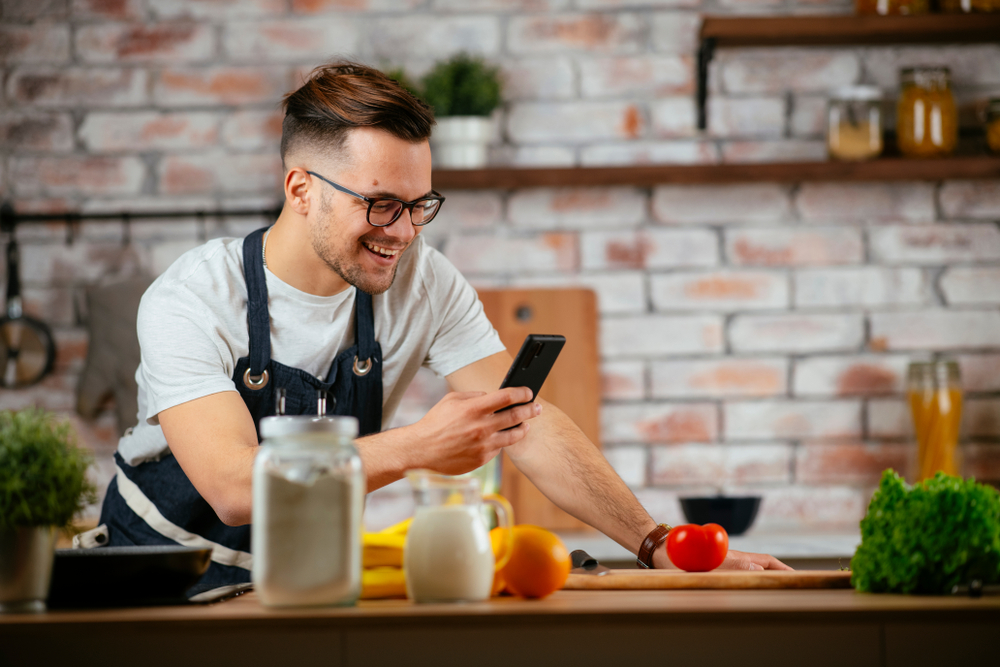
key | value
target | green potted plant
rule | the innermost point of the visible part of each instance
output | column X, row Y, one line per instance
column 464, row 91
column 43, row 484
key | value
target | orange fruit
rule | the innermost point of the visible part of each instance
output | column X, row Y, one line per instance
column 539, row 563
column 497, row 540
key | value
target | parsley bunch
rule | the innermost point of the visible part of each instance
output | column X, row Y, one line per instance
column 929, row 537
column 43, row 474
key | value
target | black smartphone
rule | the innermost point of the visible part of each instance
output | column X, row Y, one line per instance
column 532, row 364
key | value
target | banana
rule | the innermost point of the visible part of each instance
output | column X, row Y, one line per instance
column 382, row 582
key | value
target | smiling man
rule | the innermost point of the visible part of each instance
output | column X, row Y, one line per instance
column 339, row 298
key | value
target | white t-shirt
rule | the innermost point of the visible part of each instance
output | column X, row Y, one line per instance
column 192, row 329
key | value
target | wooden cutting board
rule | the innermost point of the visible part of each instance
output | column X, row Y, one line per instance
column 728, row 579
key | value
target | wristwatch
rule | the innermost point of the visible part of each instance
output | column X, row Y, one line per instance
column 656, row 537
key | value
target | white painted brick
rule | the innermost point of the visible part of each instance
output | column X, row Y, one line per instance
column 145, row 130
column 673, row 117
column 866, row 202
column 577, row 208
column 469, row 209
column 623, row 380
column 720, row 291
column 862, row 286
column 810, row 508
column 220, row 85
column 971, row 199
column 55, row 393
column 534, row 156
column 698, row 204
column 574, row 122
column 808, row 117
column 765, row 420
column 616, row 4
column 936, row 330
column 649, row 152
column 77, row 175
column 849, row 462
column 660, row 422
column 794, row 246
column 290, row 39
column 676, row 32
column 221, row 172
column 649, row 249
column 542, row 253
column 970, row 65
column 936, row 244
column 415, row 36
column 508, row 6
column 721, row 464
column 168, row 42
column 793, row 333
column 782, row 150
column 216, row 9
column 632, row 337
column 855, row 375
column 636, row 76
column 538, row 79
column 746, row 116
column 889, row 419
column 981, row 418
column 980, row 372
column 663, row 504
column 77, row 86
column 629, row 463
column 35, row 131
column 622, row 293
column 719, row 378
column 55, row 264
column 971, row 285
column 750, row 71
column 252, row 129
column 560, row 33
column 36, row 43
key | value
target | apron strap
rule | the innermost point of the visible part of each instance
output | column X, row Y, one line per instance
column 258, row 318
column 364, row 332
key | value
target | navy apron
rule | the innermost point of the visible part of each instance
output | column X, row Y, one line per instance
column 353, row 386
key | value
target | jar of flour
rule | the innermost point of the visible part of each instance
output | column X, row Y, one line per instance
column 308, row 498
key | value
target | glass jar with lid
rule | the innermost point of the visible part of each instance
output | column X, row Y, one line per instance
column 884, row 7
column 308, row 498
column 993, row 125
column 934, row 389
column 927, row 118
column 854, row 123
column 969, row 6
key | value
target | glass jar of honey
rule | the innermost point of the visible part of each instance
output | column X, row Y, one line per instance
column 968, row 6
column 993, row 125
column 854, row 123
column 926, row 118
column 884, row 7
column 935, row 392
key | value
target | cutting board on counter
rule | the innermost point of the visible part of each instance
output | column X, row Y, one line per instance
column 574, row 385
column 630, row 580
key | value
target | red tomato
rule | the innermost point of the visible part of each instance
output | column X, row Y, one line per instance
column 697, row 548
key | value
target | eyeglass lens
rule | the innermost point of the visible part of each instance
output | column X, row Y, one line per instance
column 385, row 211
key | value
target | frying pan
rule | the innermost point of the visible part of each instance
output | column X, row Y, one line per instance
column 27, row 350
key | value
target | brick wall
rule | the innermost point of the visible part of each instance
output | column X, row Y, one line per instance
column 753, row 337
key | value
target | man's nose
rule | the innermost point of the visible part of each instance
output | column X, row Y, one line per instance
column 402, row 227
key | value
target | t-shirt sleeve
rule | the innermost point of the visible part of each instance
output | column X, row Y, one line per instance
column 182, row 350
column 464, row 335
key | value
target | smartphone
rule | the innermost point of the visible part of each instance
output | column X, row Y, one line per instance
column 532, row 364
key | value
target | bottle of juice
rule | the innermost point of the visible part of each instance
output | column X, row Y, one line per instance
column 935, row 393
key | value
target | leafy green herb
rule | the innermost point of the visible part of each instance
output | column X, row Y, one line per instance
column 929, row 537
column 43, row 473
column 463, row 85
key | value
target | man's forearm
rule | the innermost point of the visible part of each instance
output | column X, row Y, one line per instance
column 382, row 455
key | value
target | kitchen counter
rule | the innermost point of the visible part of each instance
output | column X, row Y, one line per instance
column 755, row 627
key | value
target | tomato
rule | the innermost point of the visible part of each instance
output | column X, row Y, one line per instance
column 697, row 548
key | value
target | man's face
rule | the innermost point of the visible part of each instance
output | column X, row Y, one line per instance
column 378, row 165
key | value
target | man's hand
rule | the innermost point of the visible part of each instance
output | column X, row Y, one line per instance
column 464, row 431
column 739, row 560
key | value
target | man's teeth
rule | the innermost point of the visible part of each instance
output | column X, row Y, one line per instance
column 380, row 250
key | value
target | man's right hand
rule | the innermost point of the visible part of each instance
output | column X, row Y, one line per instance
column 464, row 430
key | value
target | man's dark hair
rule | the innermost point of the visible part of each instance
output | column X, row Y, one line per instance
column 342, row 95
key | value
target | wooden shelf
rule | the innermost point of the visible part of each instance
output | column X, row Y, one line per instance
column 889, row 169
column 819, row 30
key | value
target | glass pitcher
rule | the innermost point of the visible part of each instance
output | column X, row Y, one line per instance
column 935, row 392
column 448, row 556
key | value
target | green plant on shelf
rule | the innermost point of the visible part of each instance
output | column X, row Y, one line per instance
column 463, row 85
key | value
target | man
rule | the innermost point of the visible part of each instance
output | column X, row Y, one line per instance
column 341, row 297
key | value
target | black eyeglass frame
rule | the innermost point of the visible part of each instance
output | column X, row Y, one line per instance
column 405, row 205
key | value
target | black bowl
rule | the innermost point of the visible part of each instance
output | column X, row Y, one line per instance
column 735, row 514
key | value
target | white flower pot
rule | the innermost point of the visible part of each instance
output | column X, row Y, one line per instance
column 462, row 142
column 26, row 556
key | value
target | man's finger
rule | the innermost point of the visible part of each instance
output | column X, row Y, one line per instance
column 509, row 418
column 504, row 398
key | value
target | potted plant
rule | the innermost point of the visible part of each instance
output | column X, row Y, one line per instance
column 43, row 484
column 464, row 91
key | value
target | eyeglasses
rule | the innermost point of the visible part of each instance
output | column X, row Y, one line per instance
column 383, row 211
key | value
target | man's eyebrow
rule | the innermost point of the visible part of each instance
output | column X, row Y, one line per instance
column 392, row 195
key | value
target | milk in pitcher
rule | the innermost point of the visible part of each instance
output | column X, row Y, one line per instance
column 448, row 555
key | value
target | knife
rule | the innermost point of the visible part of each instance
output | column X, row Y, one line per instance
column 584, row 563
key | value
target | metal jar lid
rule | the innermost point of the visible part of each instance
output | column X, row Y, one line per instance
column 286, row 425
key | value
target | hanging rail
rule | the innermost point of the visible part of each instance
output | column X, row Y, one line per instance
column 10, row 217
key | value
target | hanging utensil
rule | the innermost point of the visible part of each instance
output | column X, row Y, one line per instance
column 27, row 350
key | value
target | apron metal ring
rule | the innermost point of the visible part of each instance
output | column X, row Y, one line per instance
column 362, row 368
column 256, row 381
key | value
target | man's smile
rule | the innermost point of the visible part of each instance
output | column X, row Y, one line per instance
column 382, row 252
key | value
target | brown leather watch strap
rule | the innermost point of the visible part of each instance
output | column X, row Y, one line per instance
column 656, row 537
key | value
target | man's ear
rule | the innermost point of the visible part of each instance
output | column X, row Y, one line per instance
column 297, row 190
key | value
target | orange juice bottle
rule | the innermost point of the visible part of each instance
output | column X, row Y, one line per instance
column 935, row 394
